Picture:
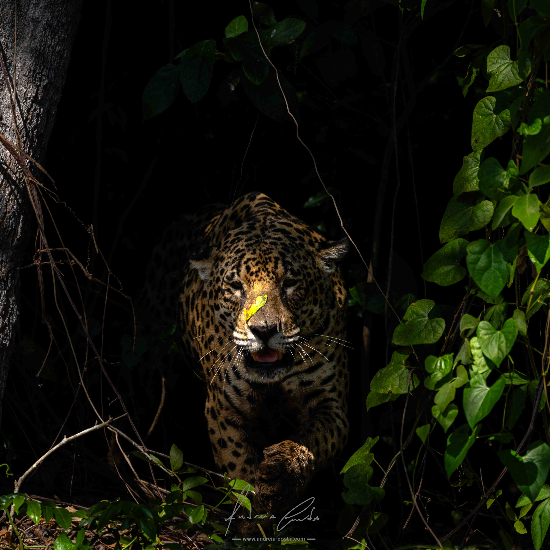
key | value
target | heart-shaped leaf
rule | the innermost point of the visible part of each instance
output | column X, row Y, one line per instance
column 438, row 368
column 496, row 344
column 487, row 267
column 461, row 377
column 458, row 444
column 504, row 72
column 487, row 125
column 526, row 210
column 444, row 267
column 447, row 417
column 506, row 204
column 417, row 327
column 466, row 180
column 538, row 247
column 479, row 399
column 463, row 214
column 529, row 471
column 445, row 395
column 480, row 364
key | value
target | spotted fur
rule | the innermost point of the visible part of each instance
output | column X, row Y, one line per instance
column 277, row 379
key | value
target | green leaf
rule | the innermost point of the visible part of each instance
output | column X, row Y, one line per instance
column 363, row 455
column 360, row 492
column 394, row 379
column 497, row 344
column 538, row 247
column 520, row 527
column 264, row 14
column 318, row 199
column 479, row 399
column 63, row 542
column 467, row 179
column 530, row 471
column 473, row 69
column 197, row 514
column 18, row 500
column 161, row 91
column 480, row 364
column 540, row 523
column 530, row 28
column 146, row 521
column 438, row 368
column 542, row 7
column 515, row 7
column 445, row 395
column 540, row 176
column 458, row 444
column 63, row 518
column 492, row 499
column 79, row 538
column 536, row 296
column 543, row 495
column 496, row 314
column 444, row 267
column 487, row 267
column 505, row 205
column 34, row 511
column 176, row 458
column 464, row 214
column 526, row 129
column 417, row 327
column 536, row 147
column 47, row 512
column 516, row 406
column 283, row 32
column 509, row 245
column 374, row 399
column 519, row 318
column 447, row 417
column 493, row 179
column 246, row 48
column 196, row 69
column 267, row 96
column 192, row 482
column 464, row 355
column 236, row 27
column 526, row 210
column 461, row 377
column 422, row 432
column 468, row 324
column 488, row 125
column 504, row 72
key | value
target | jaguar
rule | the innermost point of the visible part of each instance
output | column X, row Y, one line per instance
column 261, row 306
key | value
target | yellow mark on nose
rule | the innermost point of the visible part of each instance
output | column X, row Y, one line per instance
column 255, row 307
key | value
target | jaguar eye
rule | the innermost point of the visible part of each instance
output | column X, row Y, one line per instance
column 235, row 285
column 290, row 283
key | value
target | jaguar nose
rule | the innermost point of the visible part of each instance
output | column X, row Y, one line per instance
column 264, row 333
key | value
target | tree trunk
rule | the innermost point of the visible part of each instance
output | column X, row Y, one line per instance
column 36, row 38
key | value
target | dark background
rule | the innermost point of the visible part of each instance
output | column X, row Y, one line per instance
column 128, row 179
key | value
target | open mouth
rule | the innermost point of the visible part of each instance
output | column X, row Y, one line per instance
column 267, row 355
column 268, row 362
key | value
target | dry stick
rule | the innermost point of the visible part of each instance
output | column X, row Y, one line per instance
column 148, row 452
column 19, row 482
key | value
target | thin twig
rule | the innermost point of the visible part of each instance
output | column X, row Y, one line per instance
column 19, row 482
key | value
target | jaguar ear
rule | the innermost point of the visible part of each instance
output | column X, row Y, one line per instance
column 202, row 262
column 332, row 252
